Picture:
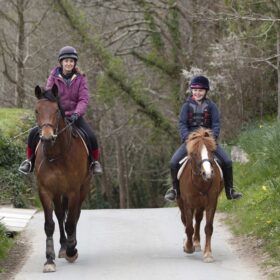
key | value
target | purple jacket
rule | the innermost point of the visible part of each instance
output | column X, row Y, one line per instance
column 74, row 98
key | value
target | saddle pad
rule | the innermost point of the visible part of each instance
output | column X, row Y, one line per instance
column 184, row 162
column 220, row 169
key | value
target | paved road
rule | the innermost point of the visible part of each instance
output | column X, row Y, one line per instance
column 132, row 245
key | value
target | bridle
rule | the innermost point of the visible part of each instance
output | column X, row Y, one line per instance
column 57, row 132
column 55, row 127
column 198, row 165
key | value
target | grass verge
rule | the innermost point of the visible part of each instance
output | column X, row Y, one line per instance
column 257, row 213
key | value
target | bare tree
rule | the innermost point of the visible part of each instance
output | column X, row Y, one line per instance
column 17, row 28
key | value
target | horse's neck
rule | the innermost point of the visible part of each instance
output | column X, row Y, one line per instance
column 60, row 146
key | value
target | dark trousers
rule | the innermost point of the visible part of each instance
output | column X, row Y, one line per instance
column 84, row 126
column 34, row 135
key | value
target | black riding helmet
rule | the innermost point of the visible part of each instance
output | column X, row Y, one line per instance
column 199, row 82
column 67, row 52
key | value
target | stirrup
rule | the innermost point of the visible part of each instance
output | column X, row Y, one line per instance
column 233, row 195
column 171, row 195
column 25, row 167
column 96, row 168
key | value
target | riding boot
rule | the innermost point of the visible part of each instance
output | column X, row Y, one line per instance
column 228, row 181
column 174, row 192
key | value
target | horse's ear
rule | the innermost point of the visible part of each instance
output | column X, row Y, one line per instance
column 38, row 92
column 207, row 134
column 55, row 90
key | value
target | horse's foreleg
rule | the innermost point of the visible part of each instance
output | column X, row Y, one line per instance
column 49, row 266
column 196, row 239
column 70, row 227
column 188, row 244
column 208, row 231
column 60, row 204
column 181, row 206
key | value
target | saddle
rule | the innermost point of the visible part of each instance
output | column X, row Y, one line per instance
column 79, row 132
column 183, row 163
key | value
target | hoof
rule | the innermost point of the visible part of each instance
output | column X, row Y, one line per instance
column 186, row 249
column 71, row 259
column 62, row 253
column 49, row 267
column 197, row 248
column 189, row 251
column 208, row 259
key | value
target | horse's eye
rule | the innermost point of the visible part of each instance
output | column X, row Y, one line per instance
column 36, row 112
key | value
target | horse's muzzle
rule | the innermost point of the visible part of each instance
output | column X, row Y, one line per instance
column 47, row 134
column 50, row 138
column 207, row 176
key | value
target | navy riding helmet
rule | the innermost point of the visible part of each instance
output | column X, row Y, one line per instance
column 67, row 52
column 199, row 82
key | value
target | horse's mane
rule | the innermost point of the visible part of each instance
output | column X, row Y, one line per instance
column 48, row 94
column 199, row 137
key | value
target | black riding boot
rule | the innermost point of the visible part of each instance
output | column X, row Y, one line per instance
column 228, row 181
column 173, row 192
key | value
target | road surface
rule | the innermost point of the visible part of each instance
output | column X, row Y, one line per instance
column 135, row 244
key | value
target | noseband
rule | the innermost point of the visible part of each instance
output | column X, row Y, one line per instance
column 198, row 165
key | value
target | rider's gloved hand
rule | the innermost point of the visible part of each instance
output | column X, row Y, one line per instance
column 74, row 117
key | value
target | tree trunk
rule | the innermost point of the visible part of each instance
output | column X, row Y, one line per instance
column 278, row 71
column 20, row 94
column 121, row 172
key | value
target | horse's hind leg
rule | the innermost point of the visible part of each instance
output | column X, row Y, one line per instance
column 60, row 207
column 70, row 227
column 207, row 256
column 49, row 265
column 196, row 238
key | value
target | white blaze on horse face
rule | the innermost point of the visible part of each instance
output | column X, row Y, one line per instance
column 206, row 164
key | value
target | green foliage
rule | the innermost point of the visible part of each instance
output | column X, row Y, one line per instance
column 258, row 212
column 14, row 120
column 8, row 152
column 5, row 242
column 106, row 90
column 14, row 187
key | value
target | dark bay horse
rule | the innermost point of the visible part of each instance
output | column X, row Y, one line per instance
column 62, row 175
column 200, row 185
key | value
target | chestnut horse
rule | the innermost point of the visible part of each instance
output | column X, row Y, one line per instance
column 62, row 175
column 200, row 185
